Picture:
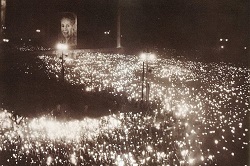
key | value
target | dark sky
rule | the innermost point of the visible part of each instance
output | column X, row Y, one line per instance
column 171, row 23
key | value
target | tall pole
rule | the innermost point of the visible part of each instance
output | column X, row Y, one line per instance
column 119, row 25
column 62, row 70
column 3, row 12
column 147, row 84
column 62, row 47
column 142, row 85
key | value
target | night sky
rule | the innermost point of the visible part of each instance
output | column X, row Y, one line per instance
column 165, row 23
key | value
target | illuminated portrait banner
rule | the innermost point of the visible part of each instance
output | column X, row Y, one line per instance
column 68, row 29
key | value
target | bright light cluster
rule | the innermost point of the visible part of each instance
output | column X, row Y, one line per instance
column 201, row 117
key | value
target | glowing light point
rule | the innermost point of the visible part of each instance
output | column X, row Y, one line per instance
column 6, row 40
column 49, row 160
column 216, row 142
column 149, row 149
column 61, row 46
column 184, row 153
column 73, row 159
column 191, row 161
column 210, row 157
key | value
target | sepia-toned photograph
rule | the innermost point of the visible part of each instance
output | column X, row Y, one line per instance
column 124, row 83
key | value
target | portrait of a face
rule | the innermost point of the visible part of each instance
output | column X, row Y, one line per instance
column 67, row 27
column 68, row 30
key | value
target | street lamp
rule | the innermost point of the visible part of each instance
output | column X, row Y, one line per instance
column 146, row 58
column 62, row 47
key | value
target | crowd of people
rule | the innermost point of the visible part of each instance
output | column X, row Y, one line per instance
column 31, row 48
column 200, row 118
column 25, row 47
